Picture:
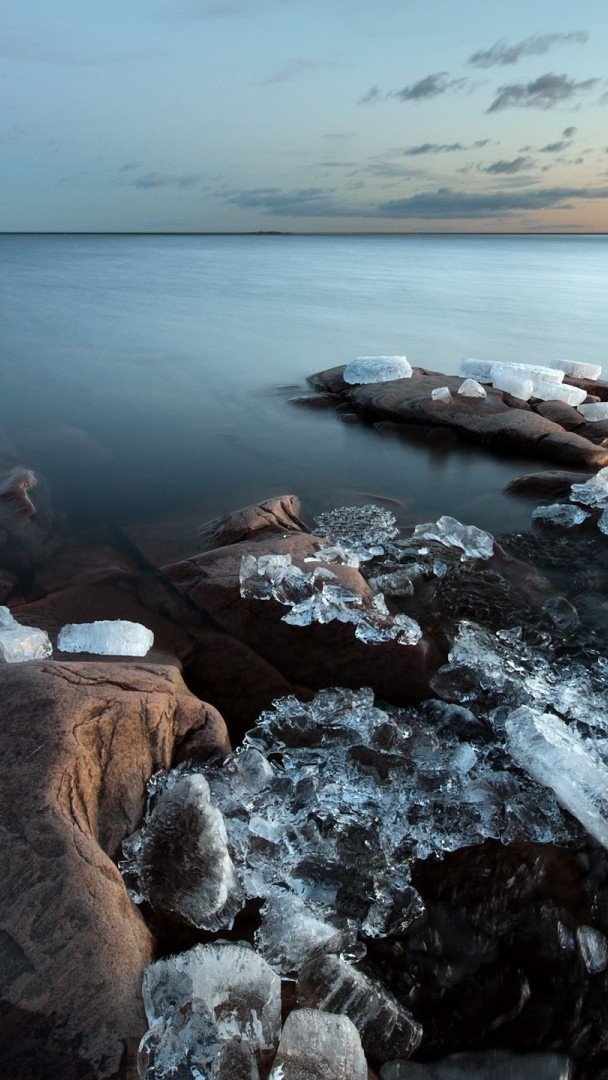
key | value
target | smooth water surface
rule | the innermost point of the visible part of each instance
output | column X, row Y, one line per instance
column 149, row 376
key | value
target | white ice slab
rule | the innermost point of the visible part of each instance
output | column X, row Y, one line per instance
column 19, row 643
column 550, row 391
column 107, row 637
column 372, row 369
column 510, row 382
column 576, row 370
column 529, row 371
column 476, row 369
column 596, row 410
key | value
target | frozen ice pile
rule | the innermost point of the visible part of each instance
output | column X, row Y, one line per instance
column 596, row 410
column 476, row 369
column 471, row 388
column 584, row 499
column 373, row 369
column 364, row 530
column 577, row 371
column 441, row 393
column 19, row 643
column 106, row 637
column 473, row 542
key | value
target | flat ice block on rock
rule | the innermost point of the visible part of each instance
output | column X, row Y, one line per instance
column 107, row 637
column 510, row 382
column 597, row 410
column 562, row 515
column 577, row 371
column 550, row 752
column 317, row 1045
column 551, row 391
column 483, row 1065
column 529, row 371
column 441, row 393
column 474, row 542
column 476, row 369
column 20, row 643
column 373, row 369
column 471, row 388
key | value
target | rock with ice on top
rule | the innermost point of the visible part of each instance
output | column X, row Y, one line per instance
column 471, row 388
column 577, row 371
column 107, row 637
column 318, row 1045
column 20, row 643
column 441, row 393
column 483, row 1065
column 564, row 515
column 476, row 369
column 474, row 542
column 551, row 391
column 596, row 410
column 555, row 755
column 373, row 369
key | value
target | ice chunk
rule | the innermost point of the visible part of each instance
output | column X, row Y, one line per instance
column 117, row 637
column 474, row 542
column 551, row 391
column 290, row 932
column 577, row 371
column 19, row 643
column 239, row 990
column 529, row 371
column 593, row 948
column 483, row 1065
column 372, row 369
column 386, row 1028
column 564, row 515
column 471, row 388
column 180, row 859
column 318, row 1045
column 441, row 393
column 188, row 1043
column 596, row 410
column 602, row 522
column 555, row 756
column 476, row 369
column 592, row 493
column 512, row 382
column 364, row 529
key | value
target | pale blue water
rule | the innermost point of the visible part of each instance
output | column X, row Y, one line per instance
column 141, row 374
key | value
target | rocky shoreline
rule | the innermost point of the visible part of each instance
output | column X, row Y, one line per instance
column 371, row 870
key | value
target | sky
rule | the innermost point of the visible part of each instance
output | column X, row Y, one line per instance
column 304, row 115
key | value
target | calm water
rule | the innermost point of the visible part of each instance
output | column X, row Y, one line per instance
column 149, row 377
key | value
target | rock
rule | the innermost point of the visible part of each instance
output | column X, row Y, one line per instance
column 280, row 514
column 555, row 483
column 560, row 413
column 597, row 387
column 313, row 401
column 14, row 493
column 79, row 742
column 317, row 1045
column 486, row 1065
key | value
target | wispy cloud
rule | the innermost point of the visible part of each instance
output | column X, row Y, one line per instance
column 508, row 168
column 543, row 93
column 373, row 94
column 31, row 51
column 443, row 148
column 501, row 53
column 294, row 68
column 302, row 202
column 163, row 180
column 555, row 147
column 429, row 87
column 446, row 204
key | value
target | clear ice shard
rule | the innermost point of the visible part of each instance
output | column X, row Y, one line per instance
column 364, row 529
column 474, row 542
column 179, row 859
column 480, row 370
column 317, row 1045
column 592, row 493
column 548, row 390
column 386, row 1028
column 225, row 990
column 290, row 932
column 483, row 1065
column 107, row 637
column 593, row 948
column 596, row 410
column 577, row 371
column 373, row 369
column 188, row 1045
column 441, row 393
column 554, row 755
column 471, row 388
column 20, row 643
column 564, row 515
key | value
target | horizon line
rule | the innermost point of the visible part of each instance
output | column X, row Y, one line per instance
column 286, row 232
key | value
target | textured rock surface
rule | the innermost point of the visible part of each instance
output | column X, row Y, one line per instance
column 554, row 483
column 79, row 741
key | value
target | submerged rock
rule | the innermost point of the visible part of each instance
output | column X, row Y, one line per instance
column 318, row 1045
column 484, row 1065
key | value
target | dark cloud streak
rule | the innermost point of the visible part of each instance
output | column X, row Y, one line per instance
column 446, row 204
column 543, row 93
column 501, row 54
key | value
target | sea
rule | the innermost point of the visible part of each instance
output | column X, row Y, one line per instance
column 148, row 379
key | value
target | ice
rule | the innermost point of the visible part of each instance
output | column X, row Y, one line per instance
column 187, row 1045
column 19, row 643
column 592, row 493
column 480, row 370
column 373, row 369
column 483, row 1065
column 593, row 948
column 577, row 371
column 386, row 1028
column 564, row 515
column 555, row 755
column 525, row 380
column 512, row 382
column 602, row 522
column 318, row 1045
column 596, row 410
column 471, row 388
column 441, row 393
column 180, row 862
column 106, row 637
column 363, row 529
column 528, row 371
column 290, row 932
column 474, row 542
column 551, row 391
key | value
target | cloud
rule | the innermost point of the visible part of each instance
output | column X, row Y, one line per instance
column 543, row 93
column 303, row 202
column 129, row 166
column 509, row 167
column 501, row 53
column 372, row 95
column 555, row 147
column 36, row 52
column 569, row 132
column 446, row 204
column 443, row 148
column 429, row 87
column 162, row 180
column 294, row 68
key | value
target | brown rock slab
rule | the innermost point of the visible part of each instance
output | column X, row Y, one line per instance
column 79, row 742
column 280, row 514
column 553, row 484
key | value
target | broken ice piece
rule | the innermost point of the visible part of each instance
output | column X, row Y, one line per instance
column 20, row 643
column 593, row 948
column 441, row 393
column 577, row 371
column 358, row 527
column 528, row 371
column 593, row 492
column 511, row 382
column 289, row 932
column 318, row 1045
column 471, row 388
column 596, row 410
column 476, row 369
column 117, row 637
column 564, row 515
column 372, row 369
column 182, row 859
column 555, row 756
column 483, row 1065
column 550, row 391
column 387, row 1030
column 238, row 987
column 474, row 542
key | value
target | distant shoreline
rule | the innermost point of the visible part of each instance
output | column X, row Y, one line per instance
column 279, row 232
